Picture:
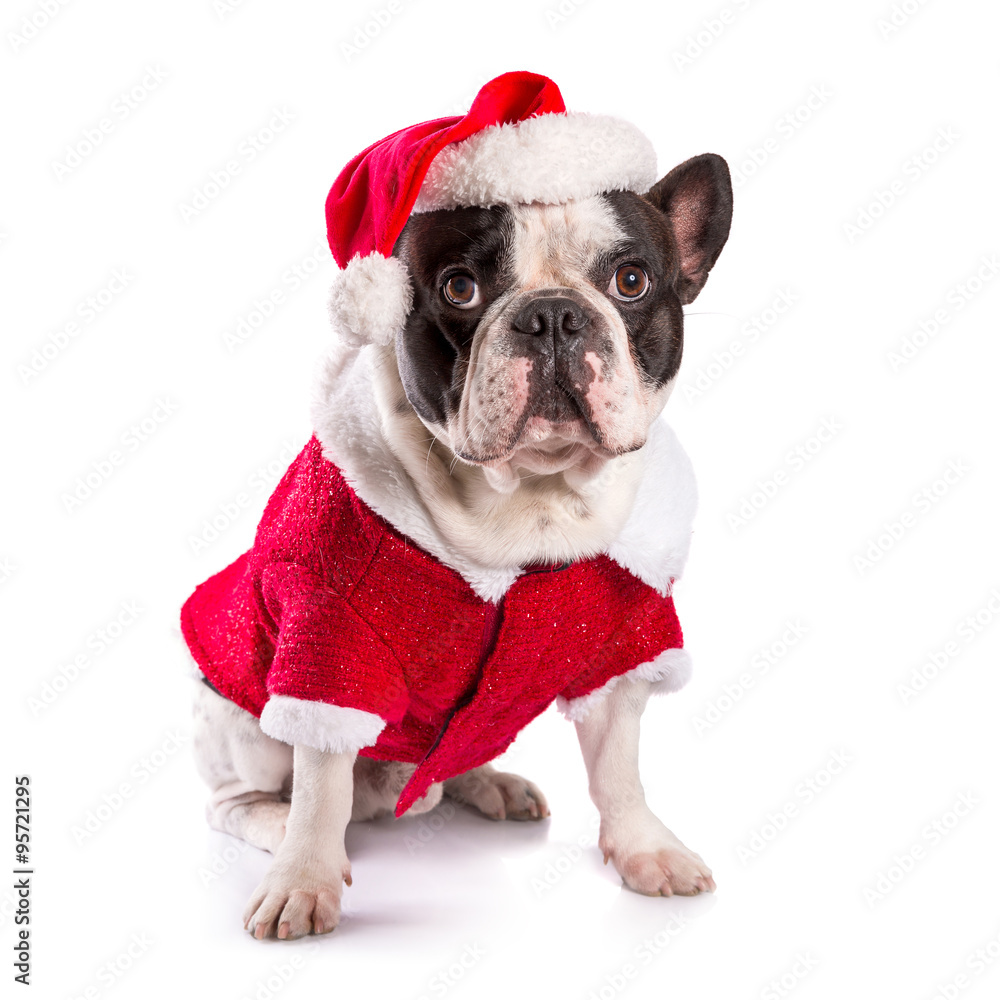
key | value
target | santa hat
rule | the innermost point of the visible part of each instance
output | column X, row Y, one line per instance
column 517, row 144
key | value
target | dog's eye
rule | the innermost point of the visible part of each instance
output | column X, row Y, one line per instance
column 461, row 290
column 630, row 282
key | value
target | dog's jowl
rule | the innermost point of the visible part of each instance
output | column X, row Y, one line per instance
column 491, row 512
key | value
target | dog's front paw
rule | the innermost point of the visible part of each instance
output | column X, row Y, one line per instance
column 293, row 901
column 650, row 859
column 668, row 871
column 498, row 794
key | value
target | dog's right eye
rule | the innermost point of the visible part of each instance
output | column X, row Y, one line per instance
column 461, row 290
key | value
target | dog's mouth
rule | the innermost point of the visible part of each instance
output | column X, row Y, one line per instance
column 533, row 416
column 556, row 438
column 560, row 405
column 551, row 432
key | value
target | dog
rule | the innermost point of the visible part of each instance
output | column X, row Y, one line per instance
column 491, row 513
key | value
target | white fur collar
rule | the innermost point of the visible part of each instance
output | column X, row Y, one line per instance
column 653, row 544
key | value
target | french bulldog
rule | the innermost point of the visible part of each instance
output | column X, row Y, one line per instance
column 512, row 431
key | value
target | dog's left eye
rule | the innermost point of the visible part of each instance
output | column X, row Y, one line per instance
column 461, row 290
column 629, row 282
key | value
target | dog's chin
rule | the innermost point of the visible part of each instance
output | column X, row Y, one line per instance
column 546, row 447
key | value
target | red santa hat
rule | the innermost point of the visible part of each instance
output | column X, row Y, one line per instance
column 518, row 144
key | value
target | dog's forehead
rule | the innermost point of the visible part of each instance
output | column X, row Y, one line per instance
column 533, row 245
column 554, row 244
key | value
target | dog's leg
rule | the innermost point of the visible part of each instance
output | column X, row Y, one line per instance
column 249, row 774
column 377, row 784
column 301, row 892
column 646, row 854
column 498, row 794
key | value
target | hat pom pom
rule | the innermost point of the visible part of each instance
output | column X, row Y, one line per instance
column 370, row 300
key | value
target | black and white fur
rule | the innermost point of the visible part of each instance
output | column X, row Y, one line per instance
column 520, row 429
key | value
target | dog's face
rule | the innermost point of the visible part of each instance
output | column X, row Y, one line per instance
column 545, row 335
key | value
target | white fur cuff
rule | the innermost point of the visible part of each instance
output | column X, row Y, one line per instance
column 550, row 158
column 370, row 299
column 670, row 671
column 329, row 728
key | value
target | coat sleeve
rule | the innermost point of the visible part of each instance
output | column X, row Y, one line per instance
column 647, row 645
column 333, row 683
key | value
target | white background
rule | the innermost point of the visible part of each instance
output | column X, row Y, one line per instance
column 803, row 910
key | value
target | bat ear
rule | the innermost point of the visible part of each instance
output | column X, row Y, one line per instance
column 697, row 199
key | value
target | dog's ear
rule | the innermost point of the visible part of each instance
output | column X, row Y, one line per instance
column 697, row 199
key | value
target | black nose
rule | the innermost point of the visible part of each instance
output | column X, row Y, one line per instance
column 550, row 316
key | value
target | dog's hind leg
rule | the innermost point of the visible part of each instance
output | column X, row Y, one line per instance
column 377, row 784
column 249, row 773
column 498, row 794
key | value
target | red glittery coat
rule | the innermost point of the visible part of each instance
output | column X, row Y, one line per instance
column 333, row 605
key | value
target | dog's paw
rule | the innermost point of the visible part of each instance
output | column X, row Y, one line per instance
column 427, row 802
column 294, row 901
column 671, row 870
column 498, row 794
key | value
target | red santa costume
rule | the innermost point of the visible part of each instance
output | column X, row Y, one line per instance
column 351, row 625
